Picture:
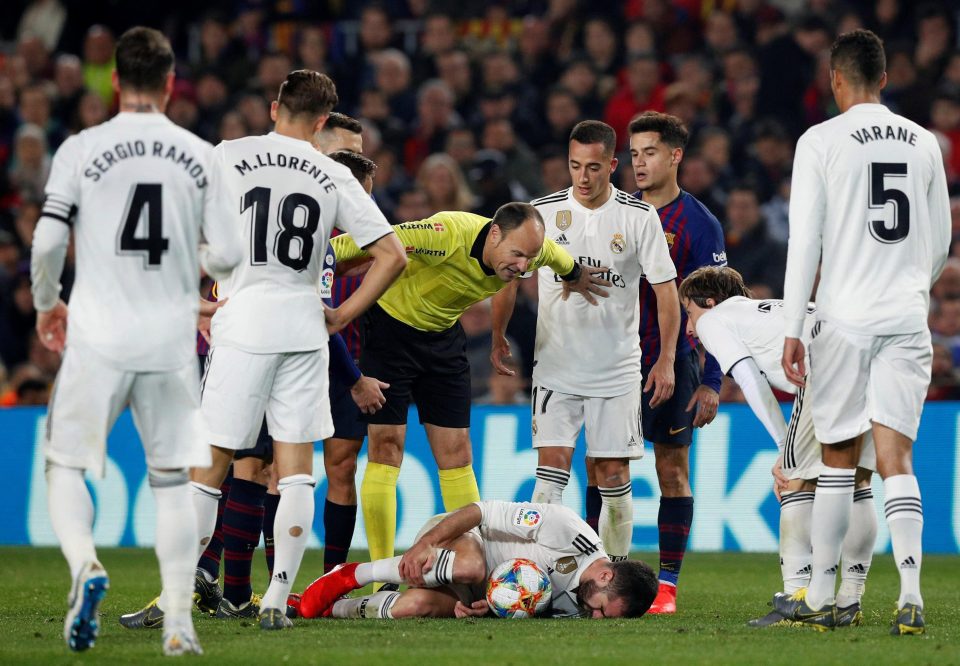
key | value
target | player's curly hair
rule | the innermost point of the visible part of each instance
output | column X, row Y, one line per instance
column 670, row 128
column 361, row 167
column 716, row 282
column 636, row 583
column 859, row 55
column 307, row 93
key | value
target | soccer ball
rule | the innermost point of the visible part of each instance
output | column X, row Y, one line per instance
column 518, row 588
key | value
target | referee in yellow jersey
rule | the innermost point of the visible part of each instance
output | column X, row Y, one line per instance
column 412, row 339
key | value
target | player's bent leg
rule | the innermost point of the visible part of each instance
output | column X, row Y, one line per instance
column 415, row 602
column 553, row 473
column 616, row 517
column 378, row 491
column 452, row 451
column 340, row 507
column 673, row 521
column 292, row 527
column 904, row 512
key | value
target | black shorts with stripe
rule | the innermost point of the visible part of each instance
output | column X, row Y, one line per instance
column 670, row 422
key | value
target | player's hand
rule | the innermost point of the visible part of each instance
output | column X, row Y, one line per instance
column 661, row 380
column 205, row 318
column 52, row 327
column 335, row 321
column 417, row 561
column 793, row 362
column 588, row 284
column 367, row 393
column 500, row 350
column 476, row 609
column 706, row 401
column 779, row 480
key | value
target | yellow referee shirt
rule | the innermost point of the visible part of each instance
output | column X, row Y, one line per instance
column 445, row 273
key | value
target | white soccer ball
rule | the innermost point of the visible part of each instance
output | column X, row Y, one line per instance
column 518, row 588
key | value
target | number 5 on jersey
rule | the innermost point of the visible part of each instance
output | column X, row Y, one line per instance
column 293, row 243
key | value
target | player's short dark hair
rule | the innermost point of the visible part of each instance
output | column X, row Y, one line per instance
column 859, row 55
column 511, row 215
column 671, row 129
column 595, row 131
column 361, row 167
column 635, row 583
column 307, row 93
column 716, row 282
column 338, row 120
column 144, row 58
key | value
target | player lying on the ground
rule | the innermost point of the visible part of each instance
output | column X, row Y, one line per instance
column 746, row 337
column 454, row 554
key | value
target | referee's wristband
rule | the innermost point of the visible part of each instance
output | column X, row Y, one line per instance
column 573, row 275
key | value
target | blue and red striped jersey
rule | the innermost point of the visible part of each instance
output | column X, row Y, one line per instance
column 341, row 290
column 695, row 239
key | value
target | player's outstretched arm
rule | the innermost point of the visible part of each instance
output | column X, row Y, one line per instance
column 662, row 379
column 389, row 261
column 503, row 302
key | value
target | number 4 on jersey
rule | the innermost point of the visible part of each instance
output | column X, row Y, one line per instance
column 145, row 197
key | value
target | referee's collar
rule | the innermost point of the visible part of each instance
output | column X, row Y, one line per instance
column 477, row 250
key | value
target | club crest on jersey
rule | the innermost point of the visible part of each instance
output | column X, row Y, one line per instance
column 566, row 564
column 564, row 219
column 618, row 244
column 670, row 238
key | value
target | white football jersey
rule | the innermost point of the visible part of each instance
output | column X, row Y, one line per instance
column 742, row 328
column 594, row 350
column 869, row 191
column 553, row 536
column 134, row 189
column 285, row 198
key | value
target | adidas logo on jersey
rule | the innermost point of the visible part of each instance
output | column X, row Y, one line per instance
column 909, row 563
column 562, row 240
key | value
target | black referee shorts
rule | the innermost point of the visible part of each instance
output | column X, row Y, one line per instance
column 670, row 422
column 429, row 368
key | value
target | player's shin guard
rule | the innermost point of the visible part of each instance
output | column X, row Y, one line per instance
column 550, row 484
column 241, row 534
column 209, row 561
column 458, row 487
column 795, row 551
column 378, row 499
column 832, row 504
column 373, row 606
column 175, row 543
column 905, row 519
column 616, row 520
column 339, row 521
column 205, row 502
column 673, row 522
column 857, row 552
column 71, row 515
column 291, row 531
column 270, row 504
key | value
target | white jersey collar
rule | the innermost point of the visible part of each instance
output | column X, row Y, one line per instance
column 611, row 200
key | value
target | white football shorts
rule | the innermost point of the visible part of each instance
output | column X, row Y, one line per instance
column 802, row 456
column 860, row 379
column 291, row 388
column 89, row 396
column 612, row 424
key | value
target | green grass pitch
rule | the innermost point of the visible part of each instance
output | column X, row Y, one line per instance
column 718, row 593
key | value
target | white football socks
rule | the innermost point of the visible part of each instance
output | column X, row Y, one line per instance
column 175, row 539
column 373, row 606
column 290, row 533
column 206, row 500
column 71, row 515
column 796, row 509
column 550, row 484
column 905, row 519
column 616, row 520
column 858, row 548
column 832, row 505
column 388, row 570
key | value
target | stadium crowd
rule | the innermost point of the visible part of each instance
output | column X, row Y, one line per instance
column 468, row 105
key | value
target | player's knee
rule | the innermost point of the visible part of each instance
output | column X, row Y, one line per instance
column 671, row 474
column 386, row 449
column 341, row 472
column 469, row 570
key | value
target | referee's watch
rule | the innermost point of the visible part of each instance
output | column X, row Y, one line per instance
column 573, row 275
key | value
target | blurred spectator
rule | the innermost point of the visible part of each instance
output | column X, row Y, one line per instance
column 91, row 111
column 374, row 108
column 491, row 184
column 212, row 98
column 98, row 62
column 945, row 118
column 750, row 250
column 392, row 77
column 256, row 113
column 903, row 93
column 947, row 285
column 68, row 77
column 461, row 146
column 31, row 163
column 562, row 113
column 601, row 45
column 182, row 108
column 945, row 325
column 771, row 158
column 43, row 19
column 412, row 204
column 221, row 54
column 271, row 72
column 944, row 381
column 720, row 34
column 445, row 185
column 356, row 70
column 36, row 57
column 453, row 68
column 698, row 177
column 17, row 316
column 642, row 91
column 312, row 49
column 232, row 126
column 35, row 108
column 580, row 78
column 520, row 163
column 439, row 37
column 435, row 118
column 554, row 171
